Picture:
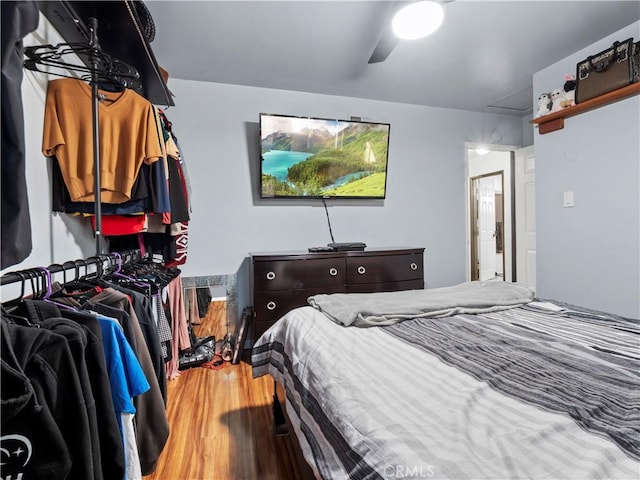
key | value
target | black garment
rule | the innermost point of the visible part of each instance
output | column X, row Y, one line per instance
column 160, row 243
column 77, row 341
column 35, row 445
column 143, row 194
column 18, row 20
column 177, row 196
column 44, row 417
column 167, row 313
column 111, row 450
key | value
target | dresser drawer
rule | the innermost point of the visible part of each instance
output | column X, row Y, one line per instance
column 270, row 306
column 386, row 287
column 298, row 274
column 384, row 269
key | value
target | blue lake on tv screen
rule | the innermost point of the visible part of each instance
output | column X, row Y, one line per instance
column 277, row 162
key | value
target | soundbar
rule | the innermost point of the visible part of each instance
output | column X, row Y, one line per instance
column 347, row 246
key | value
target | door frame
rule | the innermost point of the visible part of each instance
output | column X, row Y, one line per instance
column 507, row 186
column 474, row 261
column 525, row 176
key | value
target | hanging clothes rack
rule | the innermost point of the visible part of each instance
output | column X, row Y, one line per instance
column 102, row 68
column 99, row 261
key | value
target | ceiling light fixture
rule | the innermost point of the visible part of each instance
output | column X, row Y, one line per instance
column 417, row 20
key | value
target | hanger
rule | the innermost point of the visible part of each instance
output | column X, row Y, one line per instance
column 34, row 277
column 131, row 281
column 7, row 309
column 11, row 304
column 58, row 61
column 48, row 291
column 81, row 287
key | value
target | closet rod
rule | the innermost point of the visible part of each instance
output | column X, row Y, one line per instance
column 127, row 257
column 93, row 42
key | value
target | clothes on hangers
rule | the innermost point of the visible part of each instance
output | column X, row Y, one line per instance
column 128, row 382
column 165, row 234
column 152, row 425
column 115, row 349
column 157, row 192
column 127, row 138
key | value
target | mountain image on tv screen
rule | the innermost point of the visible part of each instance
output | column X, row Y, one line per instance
column 314, row 157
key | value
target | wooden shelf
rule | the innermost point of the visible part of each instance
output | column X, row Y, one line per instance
column 555, row 121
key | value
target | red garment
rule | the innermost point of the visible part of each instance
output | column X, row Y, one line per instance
column 120, row 224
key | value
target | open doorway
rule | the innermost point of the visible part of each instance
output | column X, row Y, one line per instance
column 487, row 226
column 490, row 210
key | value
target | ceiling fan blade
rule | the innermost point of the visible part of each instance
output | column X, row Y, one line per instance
column 385, row 46
column 388, row 41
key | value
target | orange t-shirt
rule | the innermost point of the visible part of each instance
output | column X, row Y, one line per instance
column 127, row 137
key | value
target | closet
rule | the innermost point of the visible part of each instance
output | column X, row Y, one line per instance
column 88, row 345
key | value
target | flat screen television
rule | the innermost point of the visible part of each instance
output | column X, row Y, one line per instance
column 304, row 157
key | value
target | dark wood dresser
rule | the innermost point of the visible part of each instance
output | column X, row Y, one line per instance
column 284, row 281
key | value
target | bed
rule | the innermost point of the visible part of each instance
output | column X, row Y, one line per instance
column 528, row 389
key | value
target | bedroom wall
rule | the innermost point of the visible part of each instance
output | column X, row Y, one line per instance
column 217, row 126
column 590, row 254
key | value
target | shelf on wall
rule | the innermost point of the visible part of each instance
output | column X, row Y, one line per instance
column 119, row 34
column 555, row 121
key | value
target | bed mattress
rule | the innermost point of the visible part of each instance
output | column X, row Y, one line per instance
column 539, row 391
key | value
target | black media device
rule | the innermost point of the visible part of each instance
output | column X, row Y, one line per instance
column 321, row 249
column 347, row 246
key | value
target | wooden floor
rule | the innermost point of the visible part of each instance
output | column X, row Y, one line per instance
column 222, row 425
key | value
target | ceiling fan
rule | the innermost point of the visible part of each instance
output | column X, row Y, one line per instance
column 418, row 14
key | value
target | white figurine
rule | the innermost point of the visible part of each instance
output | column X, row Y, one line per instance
column 557, row 97
column 544, row 104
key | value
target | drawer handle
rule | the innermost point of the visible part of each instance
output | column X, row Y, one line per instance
column 361, row 270
column 333, row 271
column 271, row 275
column 413, row 266
column 271, row 305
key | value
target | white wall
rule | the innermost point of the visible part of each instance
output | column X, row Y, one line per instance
column 590, row 254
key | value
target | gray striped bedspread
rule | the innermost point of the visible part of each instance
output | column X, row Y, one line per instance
column 530, row 392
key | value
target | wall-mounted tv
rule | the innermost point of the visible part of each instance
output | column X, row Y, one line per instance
column 304, row 157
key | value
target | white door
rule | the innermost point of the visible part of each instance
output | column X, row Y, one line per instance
column 486, row 227
column 525, row 181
